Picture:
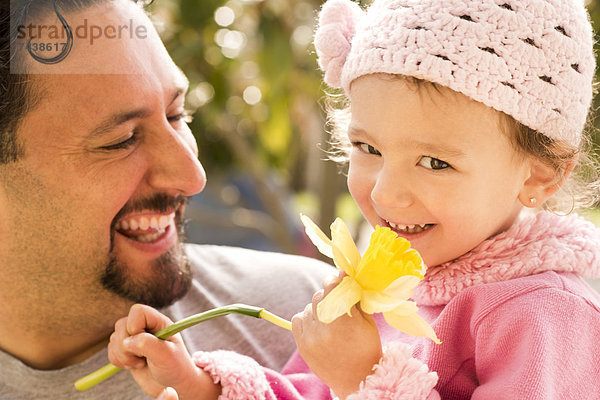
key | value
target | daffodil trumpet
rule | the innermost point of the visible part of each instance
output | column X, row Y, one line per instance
column 381, row 281
column 109, row 370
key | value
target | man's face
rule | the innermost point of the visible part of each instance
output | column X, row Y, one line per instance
column 94, row 209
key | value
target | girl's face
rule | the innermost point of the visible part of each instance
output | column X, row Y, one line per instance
column 433, row 165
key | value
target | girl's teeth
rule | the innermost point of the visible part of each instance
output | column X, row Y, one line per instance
column 409, row 228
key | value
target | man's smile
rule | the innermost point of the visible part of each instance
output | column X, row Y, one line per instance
column 152, row 229
column 145, row 227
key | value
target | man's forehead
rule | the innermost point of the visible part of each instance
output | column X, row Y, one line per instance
column 113, row 37
column 137, row 69
column 96, row 89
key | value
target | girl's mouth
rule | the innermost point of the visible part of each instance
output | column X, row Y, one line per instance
column 408, row 229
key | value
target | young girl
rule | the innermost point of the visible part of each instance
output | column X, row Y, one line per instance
column 465, row 125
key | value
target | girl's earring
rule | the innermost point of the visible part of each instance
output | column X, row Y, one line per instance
column 532, row 200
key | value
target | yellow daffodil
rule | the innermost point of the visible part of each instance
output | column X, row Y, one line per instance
column 382, row 280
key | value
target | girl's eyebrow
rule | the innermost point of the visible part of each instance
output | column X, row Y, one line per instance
column 356, row 131
column 444, row 150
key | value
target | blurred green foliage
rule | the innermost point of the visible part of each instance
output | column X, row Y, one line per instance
column 257, row 95
column 593, row 7
column 251, row 73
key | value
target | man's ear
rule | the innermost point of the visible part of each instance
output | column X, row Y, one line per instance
column 543, row 181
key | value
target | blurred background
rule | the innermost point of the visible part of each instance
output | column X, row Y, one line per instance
column 258, row 106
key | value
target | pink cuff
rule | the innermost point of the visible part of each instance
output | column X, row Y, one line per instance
column 241, row 377
column 398, row 376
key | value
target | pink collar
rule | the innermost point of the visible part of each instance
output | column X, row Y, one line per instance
column 534, row 244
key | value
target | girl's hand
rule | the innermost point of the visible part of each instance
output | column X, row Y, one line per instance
column 342, row 354
column 168, row 394
column 155, row 363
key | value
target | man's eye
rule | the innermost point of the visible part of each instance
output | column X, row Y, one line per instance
column 125, row 144
column 367, row 148
column 433, row 163
column 184, row 116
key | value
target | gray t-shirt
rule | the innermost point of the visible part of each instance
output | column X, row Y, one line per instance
column 282, row 284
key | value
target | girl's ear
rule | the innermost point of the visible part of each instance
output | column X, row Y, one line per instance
column 543, row 181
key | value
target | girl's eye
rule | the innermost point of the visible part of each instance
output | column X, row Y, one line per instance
column 433, row 163
column 125, row 144
column 367, row 148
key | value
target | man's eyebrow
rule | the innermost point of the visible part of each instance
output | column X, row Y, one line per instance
column 183, row 83
column 115, row 120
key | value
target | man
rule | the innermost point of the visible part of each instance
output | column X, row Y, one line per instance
column 96, row 162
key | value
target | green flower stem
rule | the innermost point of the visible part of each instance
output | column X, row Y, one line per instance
column 109, row 370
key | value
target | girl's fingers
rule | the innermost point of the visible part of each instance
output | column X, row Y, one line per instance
column 297, row 327
column 332, row 281
column 155, row 350
column 168, row 394
column 316, row 299
column 118, row 354
column 143, row 344
column 143, row 318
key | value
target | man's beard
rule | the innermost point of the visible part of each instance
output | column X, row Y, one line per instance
column 170, row 281
column 170, row 275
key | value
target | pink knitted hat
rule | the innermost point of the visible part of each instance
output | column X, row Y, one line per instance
column 531, row 59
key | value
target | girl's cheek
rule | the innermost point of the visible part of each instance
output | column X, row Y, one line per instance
column 359, row 188
column 352, row 183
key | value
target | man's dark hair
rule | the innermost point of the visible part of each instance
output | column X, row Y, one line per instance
column 17, row 94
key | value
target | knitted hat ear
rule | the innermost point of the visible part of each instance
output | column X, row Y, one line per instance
column 333, row 38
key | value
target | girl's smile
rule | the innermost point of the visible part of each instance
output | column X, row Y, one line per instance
column 409, row 228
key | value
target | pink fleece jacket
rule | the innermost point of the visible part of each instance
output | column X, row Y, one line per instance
column 515, row 318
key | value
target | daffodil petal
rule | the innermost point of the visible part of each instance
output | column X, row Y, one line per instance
column 423, row 267
column 411, row 324
column 339, row 301
column 342, row 239
column 406, row 308
column 316, row 235
column 375, row 302
column 340, row 261
column 403, row 287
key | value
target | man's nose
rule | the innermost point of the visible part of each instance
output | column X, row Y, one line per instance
column 175, row 166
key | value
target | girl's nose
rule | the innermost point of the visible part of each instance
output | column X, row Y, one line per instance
column 391, row 190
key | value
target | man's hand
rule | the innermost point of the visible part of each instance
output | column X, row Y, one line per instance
column 342, row 354
column 155, row 363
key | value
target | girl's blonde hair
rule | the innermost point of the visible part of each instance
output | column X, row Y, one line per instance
column 581, row 189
